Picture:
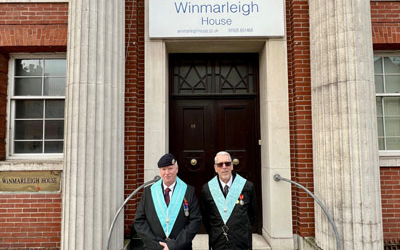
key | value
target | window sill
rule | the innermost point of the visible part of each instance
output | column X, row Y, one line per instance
column 389, row 161
column 31, row 165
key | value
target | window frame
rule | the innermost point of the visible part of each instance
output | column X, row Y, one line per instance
column 11, row 107
column 387, row 153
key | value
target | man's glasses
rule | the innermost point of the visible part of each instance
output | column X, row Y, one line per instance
column 220, row 164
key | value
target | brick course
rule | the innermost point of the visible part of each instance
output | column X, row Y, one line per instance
column 30, row 221
column 385, row 25
column 36, row 24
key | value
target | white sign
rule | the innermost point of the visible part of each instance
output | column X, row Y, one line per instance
column 216, row 18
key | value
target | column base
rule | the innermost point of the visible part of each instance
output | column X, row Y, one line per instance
column 279, row 243
column 305, row 243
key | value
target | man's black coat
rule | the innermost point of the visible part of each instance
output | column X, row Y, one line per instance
column 148, row 226
column 239, row 223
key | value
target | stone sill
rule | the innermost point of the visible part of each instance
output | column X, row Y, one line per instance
column 389, row 161
column 31, row 165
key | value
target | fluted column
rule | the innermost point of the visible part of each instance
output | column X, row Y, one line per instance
column 94, row 129
column 345, row 141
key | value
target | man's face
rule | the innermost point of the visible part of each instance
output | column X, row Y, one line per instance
column 168, row 174
column 224, row 172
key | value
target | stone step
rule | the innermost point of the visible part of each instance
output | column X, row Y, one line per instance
column 200, row 242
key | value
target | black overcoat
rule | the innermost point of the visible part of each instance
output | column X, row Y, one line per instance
column 148, row 226
column 240, row 222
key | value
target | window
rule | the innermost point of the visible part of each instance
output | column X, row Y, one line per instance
column 37, row 96
column 387, row 86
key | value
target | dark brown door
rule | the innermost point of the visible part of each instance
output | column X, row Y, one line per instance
column 203, row 124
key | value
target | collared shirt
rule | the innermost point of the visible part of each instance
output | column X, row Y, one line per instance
column 223, row 184
column 171, row 188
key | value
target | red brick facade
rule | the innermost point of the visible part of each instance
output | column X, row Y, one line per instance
column 298, row 42
column 134, row 105
column 390, row 188
column 385, row 25
column 33, row 25
column 30, row 221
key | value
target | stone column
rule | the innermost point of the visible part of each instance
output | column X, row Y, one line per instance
column 94, row 125
column 345, row 141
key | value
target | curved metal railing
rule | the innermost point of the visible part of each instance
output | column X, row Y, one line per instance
column 277, row 177
column 156, row 178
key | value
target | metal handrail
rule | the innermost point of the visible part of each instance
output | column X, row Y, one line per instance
column 277, row 177
column 156, row 178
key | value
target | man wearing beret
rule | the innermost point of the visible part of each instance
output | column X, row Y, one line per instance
column 228, row 206
column 168, row 216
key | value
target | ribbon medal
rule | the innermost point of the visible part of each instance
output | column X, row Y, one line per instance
column 186, row 207
column 241, row 199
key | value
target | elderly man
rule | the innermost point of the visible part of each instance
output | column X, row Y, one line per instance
column 229, row 209
column 168, row 216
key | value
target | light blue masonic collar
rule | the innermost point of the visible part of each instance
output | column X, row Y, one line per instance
column 167, row 215
column 225, row 205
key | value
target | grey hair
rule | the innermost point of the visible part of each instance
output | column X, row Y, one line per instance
column 222, row 153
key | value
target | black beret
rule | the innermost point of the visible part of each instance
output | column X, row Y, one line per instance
column 166, row 160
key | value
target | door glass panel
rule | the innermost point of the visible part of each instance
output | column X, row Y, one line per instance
column 213, row 74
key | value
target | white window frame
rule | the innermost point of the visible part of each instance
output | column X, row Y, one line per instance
column 11, row 107
column 388, row 158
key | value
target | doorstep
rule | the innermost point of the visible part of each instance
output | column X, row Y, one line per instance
column 200, row 242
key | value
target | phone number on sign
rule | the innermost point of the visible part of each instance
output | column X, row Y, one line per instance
column 240, row 30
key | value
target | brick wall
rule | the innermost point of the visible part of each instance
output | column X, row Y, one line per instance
column 33, row 25
column 385, row 25
column 298, row 41
column 390, row 189
column 3, row 103
column 30, row 221
column 134, row 105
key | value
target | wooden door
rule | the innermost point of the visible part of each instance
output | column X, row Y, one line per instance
column 225, row 118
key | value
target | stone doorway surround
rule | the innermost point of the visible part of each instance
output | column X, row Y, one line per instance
column 274, row 118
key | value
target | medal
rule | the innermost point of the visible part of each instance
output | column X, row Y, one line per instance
column 241, row 200
column 167, row 220
column 186, row 207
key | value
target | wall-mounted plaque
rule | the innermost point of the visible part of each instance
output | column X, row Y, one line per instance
column 30, row 181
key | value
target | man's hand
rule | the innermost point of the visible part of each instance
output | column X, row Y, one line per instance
column 164, row 245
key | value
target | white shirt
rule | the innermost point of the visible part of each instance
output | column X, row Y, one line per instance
column 171, row 188
column 229, row 184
